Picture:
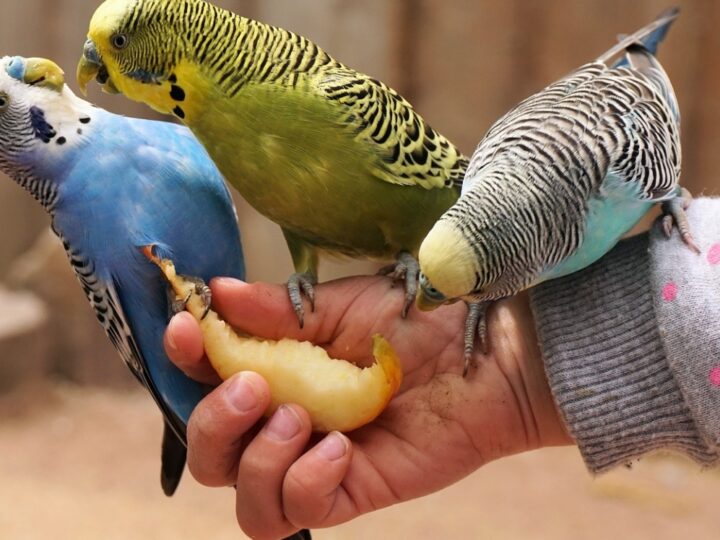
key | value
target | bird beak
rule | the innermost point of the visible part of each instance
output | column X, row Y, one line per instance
column 44, row 73
column 425, row 303
column 91, row 67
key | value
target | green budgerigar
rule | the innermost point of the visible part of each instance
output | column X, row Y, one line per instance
column 339, row 160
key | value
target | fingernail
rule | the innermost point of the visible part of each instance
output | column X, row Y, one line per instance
column 284, row 424
column 171, row 335
column 242, row 394
column 333, row 447
column 226, row 281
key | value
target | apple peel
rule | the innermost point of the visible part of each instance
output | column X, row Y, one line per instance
column 338, row 395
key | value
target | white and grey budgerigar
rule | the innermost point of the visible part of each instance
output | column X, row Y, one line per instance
column 558, row 181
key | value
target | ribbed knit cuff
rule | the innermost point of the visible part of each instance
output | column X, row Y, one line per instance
column 606, row 365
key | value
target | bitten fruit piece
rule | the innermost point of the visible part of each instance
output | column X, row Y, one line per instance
column 337, row 394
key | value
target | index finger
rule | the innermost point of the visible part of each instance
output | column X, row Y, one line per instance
column 264, row 310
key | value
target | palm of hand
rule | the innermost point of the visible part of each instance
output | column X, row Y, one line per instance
column 440, row 426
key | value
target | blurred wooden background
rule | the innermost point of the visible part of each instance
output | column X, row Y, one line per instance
column 462, row 63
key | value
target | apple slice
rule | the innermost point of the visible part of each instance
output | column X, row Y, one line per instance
column 338, row 394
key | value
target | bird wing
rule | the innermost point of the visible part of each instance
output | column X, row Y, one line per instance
column 104, row 299
column 595, row 121
column 410, row 152
column 651, row 154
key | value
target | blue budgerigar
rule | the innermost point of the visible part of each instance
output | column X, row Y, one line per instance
column 113, row 185
column 559, row 180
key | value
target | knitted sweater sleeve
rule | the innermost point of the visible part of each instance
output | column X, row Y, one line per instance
column 631, row 346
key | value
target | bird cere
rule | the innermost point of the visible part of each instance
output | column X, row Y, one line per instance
column 344, row 165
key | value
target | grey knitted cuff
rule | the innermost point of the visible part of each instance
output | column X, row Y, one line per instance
column 606, row 365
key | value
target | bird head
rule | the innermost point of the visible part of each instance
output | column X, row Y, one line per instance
column 132, row 48
column 447, row 266
column 36, row 110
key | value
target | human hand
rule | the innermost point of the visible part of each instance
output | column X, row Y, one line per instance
column 438, row 428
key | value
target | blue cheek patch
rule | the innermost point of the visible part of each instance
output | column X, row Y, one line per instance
column 16, row 68
column 41, row 128
column 145, row 77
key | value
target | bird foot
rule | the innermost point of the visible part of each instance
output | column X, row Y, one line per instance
column 299, row 285
column 674, row 216
column 406, row 269
column 475, row 328
column 177, row 304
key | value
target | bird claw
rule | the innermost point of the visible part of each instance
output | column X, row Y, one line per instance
column 674, row 217
column 406, row 269
column 300, row 285
column 201, row 289
column 475, row 328
column 177, row 304
column 206, row 296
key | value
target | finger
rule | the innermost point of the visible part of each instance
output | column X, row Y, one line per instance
column 263, row 309
column 262, row 470
column 312, row 492
column 218, row 424
column 184, row 346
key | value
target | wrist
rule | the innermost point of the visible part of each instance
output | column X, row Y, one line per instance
column 517, row 354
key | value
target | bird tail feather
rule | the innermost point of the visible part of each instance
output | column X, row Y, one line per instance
column 648, row 36
column 173, row 458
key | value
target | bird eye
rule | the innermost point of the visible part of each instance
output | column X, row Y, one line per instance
column 4, row 102
column 436, row 295
column 431, row 291
column 119, row 41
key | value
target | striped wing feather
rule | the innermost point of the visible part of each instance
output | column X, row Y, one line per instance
column 235, row 52
column 105, row 302
column 411, row 152
column 597, row 120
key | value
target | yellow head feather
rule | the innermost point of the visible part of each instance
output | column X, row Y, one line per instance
column 108, row 24
column 108, row 16
column 448, row 260
column 106, row 20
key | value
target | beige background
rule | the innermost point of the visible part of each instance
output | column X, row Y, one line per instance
column 462, row 63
